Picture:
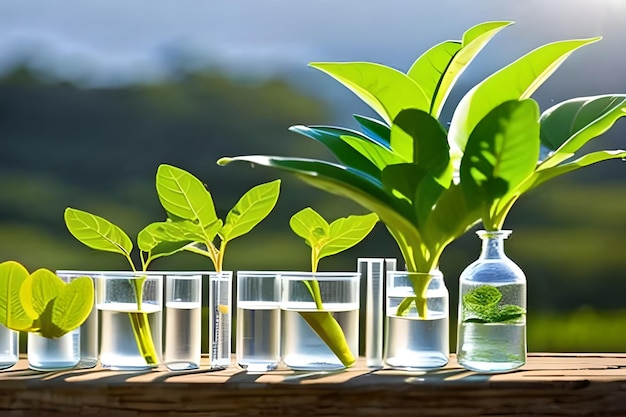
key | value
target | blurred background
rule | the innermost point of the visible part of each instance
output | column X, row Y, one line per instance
column 95, row 95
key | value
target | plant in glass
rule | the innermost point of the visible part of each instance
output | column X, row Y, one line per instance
column 325, row 239
column 425, row 181
column 49, row 309
column 192, row 225
column 502, row 161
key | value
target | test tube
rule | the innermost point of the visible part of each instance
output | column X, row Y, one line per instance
column 220, row 310
column 372, row 272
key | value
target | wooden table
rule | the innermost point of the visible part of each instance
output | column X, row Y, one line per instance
column 549, row 385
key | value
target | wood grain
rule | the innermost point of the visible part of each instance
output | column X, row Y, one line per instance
column 548, row 385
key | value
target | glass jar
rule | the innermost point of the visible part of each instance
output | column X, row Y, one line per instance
column 53, row 354
column 130, row 308
column 9, row 347
column 323, row 333
column 417, row 325
column 492, row 310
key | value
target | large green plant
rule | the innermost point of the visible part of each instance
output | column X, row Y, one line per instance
column 429, row 185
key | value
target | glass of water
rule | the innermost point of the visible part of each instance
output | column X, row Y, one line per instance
column 89, row 329
column 183, row 327
column 53, row 354
column 258, row 320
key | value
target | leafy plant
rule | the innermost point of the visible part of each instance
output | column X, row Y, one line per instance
column 42, row 302
column 192, row 217
column 481, row 305
column 324, row 240
column 502, row 150
column 428, row 184
column 192, row 225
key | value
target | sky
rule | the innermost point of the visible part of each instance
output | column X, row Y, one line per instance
column 104, row 42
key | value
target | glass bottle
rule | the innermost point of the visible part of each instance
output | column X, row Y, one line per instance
column 492, row 310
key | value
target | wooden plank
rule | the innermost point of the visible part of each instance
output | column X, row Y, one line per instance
column 548, row 385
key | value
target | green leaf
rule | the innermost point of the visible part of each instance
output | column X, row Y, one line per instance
column 38, row 290
column 346, row 232
column 378, row 155
column 509, row 313
column 12, row 314
column 325, row 239
column 97, row 232
column 569, row 125
column 184, row 196
column 544, row 174
column 357, row 186
column 438, row 69
column 482, row 296
column 421, row 139
column 501, row 153
column 374, row 129
column 386, row 90
column 252, row 207
column 516, row 81
column 452, row 216
column 402, row 180
column 70, row 308
column 334, row 140
column 430, row 68
column 162, row 239
column 310, row 226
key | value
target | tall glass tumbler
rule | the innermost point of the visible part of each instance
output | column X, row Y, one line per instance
column 89, row 329
column 183, row 321
column 220, row 312
column 258, row 320
column 130, row 308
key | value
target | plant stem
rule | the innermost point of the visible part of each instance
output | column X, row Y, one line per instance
column 328, row 329
column 143, row 337
column 326, row 326
column 141, row 326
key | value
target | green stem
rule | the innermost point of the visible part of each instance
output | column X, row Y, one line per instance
column 141, row 327
column 328, row 329
column 143, row 337
column 326, row 326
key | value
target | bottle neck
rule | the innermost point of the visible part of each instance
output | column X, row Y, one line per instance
column 493, row 243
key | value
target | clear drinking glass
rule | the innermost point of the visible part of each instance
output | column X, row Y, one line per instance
column 9, row 347
column 183, row 320
column 492, row 310
column 53, row 354
column 417, row 328
column 303, row 348
column 89, row 329
column 258, row 320
column 220, row 312
column 130, row 308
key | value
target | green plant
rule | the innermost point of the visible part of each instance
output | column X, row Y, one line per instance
column 481, row 305
column 41, row 302
column 191, row 212
column 192, row 225
column 428, row 184
column 324, row 240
